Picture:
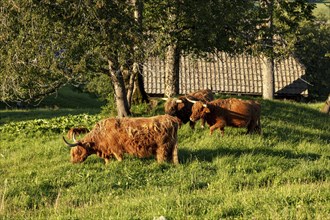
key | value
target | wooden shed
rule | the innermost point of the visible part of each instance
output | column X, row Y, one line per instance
column 241, row 74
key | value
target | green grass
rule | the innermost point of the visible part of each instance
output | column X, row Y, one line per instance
column 66, row 97
column 71, row 97
column 323, row 9
column 283, row 174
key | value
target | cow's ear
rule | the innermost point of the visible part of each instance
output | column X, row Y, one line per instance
column 206, row 110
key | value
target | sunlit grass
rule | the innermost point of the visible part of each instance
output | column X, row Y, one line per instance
column 282, row 174
column 323, row 9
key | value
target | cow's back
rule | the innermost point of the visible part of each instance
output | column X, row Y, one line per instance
column 140, row 136
column 234, row 111
column 201, row 95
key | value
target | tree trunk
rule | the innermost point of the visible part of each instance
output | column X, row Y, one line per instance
column 140, row 94
column 130, row 87
column 268, row 85
column 172, row 65
column 119, row 89
column 138, row 91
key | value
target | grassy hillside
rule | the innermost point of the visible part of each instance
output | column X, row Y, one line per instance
column 323, row 9
column 71, row 97
column 283, row 174
column 66, row 97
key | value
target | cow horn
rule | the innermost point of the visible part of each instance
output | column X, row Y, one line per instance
column 192, row 101
column 74, row 137
column 178, row 101
column 68, row 144
column 205, row 105
column 165, row 99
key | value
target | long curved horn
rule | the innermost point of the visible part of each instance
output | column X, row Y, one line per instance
column 74, row 137
column 165, row 99
column 178, row 101
column 192, row 101
column 68, row 144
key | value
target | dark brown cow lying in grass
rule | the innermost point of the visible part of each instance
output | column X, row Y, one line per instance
column 142, row 137
column 228, row 112
column 181, row 107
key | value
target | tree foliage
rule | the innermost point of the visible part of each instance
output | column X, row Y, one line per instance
column 31, row 63
column 81, row 38
column 197, row 26
column 186, row 26
column 313, row 50
column 287, row 17
column 48, row 43
column 277, row 26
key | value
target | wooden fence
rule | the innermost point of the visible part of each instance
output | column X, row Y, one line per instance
column 223, row 73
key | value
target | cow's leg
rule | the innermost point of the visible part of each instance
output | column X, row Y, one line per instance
column 161, row 153
column 192, row 124
column 118, row 156
column 107, row 158
column 203, row 123
column 212, row 128
column 251, row 127
column 222, row 130
column 220, row 124
column 175, row 158
column 259, row 130
column 258, row 127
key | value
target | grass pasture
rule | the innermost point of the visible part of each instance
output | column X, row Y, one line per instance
column 283, row 174
column 323, row 9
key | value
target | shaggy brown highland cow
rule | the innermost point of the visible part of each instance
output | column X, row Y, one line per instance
column 228, row 112
column 141, row 137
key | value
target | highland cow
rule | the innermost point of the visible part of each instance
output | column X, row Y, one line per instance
column 141, row 137
column 181, row 107
column 228, row 112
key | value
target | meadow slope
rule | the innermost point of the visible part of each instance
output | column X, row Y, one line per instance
column 283, row 174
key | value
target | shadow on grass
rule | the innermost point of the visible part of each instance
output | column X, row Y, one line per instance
column 295, row 122
column 186, row 156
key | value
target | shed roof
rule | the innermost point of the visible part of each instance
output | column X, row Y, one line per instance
column 222, row 73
